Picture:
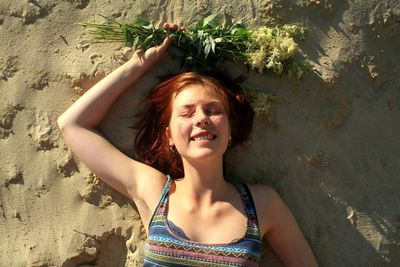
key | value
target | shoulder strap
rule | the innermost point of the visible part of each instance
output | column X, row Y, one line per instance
column 161, row 206
column 249, row 205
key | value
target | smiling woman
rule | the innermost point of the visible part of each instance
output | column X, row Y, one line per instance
column 180, row 100
column 192, row 215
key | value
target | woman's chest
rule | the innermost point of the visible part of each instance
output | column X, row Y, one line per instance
column 221, row 224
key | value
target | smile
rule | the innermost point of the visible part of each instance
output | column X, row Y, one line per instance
column 207, row 136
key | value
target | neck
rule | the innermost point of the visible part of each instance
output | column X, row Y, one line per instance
column 203, row 181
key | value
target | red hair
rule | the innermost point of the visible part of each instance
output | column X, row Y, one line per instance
column 151, row 142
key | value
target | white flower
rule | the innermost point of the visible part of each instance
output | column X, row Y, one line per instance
column 270, row 47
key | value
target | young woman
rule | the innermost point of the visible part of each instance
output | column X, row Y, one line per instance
column 192, row 215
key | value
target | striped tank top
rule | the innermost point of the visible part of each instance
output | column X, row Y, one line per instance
column 167, row 245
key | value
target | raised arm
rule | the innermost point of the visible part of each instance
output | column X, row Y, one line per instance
column 78, row 127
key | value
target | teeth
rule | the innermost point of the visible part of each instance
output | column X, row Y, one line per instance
column 204, row 137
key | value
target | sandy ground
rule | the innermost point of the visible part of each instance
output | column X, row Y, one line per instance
column 332, row 149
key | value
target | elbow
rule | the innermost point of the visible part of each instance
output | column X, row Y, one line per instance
column 61, row 123
column 66, row 123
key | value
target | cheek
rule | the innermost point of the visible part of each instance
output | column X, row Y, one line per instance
column 181, row 128
column 222, row 123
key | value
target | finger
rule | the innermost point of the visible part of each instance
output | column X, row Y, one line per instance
column 175, row 27
column 160, row 49
column 139, row 51
column 170, row 26
column 167, row 41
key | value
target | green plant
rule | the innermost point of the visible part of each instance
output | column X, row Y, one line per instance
column 261, row 102
column 208, row 44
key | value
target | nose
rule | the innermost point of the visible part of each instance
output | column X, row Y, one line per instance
column 201, row 118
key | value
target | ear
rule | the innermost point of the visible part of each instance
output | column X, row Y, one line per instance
column 168, row 133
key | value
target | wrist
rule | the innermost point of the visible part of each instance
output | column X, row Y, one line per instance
column 133, row 68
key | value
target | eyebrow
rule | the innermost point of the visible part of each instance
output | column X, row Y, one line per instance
column 214, row 102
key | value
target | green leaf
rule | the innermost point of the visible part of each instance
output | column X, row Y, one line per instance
column 243, row 32
column 142, row 22
column 197, row 26
column 135, row 43
column 210, row 18
column 200, row 35
column 212, row 42
column 197, row 43
column 126, row 37
column 148, row 27
column 207, row 49
column 147, row 42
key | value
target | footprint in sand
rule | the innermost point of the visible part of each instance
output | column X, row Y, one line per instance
column 31, row 11
column 100, row 194
column 41, row 82
column 93, row 247
column 9, row 67
column 67, row 167
column 95, row 192
column 42, row 133
column 83, row 82
column 81, row 4
column 7, row 117
column 14, row 176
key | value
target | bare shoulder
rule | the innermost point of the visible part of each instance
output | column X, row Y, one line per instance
column 267, row 201
column 264, row 195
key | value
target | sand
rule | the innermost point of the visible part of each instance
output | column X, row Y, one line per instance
column 331, row 149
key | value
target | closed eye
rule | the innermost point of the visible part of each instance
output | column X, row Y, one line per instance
column 213, row 111
column 186, row 114
column 214, row 108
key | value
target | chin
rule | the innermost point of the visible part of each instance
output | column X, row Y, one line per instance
column 204, row 154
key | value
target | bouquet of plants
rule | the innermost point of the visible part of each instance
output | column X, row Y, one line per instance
column 208, row 44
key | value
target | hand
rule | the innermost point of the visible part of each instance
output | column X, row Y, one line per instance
column 149, row 57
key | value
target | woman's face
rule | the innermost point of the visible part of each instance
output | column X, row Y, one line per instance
column 199, row 126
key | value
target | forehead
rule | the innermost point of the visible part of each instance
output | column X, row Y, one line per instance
column 196, row 94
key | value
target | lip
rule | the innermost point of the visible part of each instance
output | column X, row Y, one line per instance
column 201, row 134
